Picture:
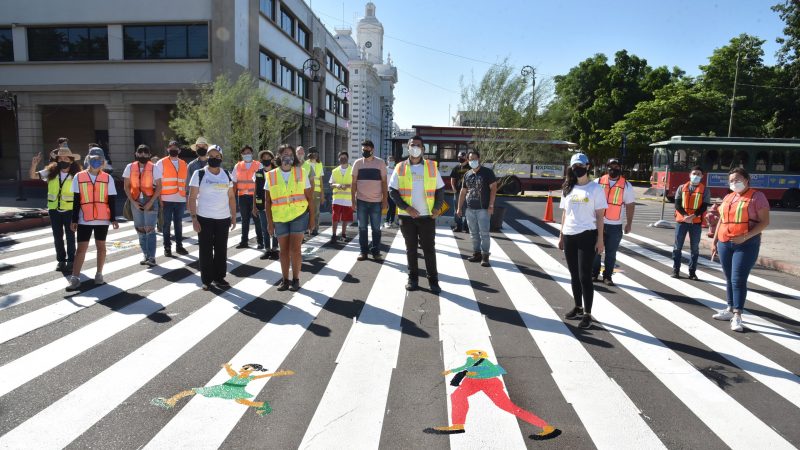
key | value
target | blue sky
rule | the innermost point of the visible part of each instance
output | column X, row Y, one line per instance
column 552, row 36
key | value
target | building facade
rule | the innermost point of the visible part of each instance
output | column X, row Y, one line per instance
column 109, row 71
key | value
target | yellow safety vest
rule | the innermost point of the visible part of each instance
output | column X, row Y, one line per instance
column 347, row 178
column 318, row 172
column 59, row 194
column 405, row 183
column 288, row 198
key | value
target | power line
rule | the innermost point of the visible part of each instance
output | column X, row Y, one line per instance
column 440, row 51
column 428, row 82
column 770, row 87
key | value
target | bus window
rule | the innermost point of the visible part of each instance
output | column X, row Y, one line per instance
column 431, row 151
column 794, row 161
column 679, row 160
column 711, row 160
column 659, row 158
column 778, row 161
column 693, row 158
column 725, row 160
column 762, row 161
column 741, row 160
column 448, row 152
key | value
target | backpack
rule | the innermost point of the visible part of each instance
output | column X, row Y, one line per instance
column 202, row 172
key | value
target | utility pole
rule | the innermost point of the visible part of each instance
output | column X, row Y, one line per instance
column 733, row 97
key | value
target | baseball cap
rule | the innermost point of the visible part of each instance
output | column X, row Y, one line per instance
column 613, row 161
column 579, row 158
column 96, row 151
column 175, row 143
column 462, row 153
column 215, row 147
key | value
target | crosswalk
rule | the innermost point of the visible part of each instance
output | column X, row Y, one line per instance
column 362, row 359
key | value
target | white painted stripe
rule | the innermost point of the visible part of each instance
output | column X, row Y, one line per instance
column 462, row 327
column 708, row 402
column 49, row 239
column 358, row 389
column 610, row 417
column 50, row 252
column 779, row 379
column 204, row 422
column 25, row 235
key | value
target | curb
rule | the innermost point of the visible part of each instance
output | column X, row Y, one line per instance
column 24, row 224
column 765, row 261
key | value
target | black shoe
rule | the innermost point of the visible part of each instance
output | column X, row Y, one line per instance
column 676, row 273
column 181, row 251
column 485, row 260
column 69, row 267
column 434, row 286
column 242, row 245
column 574, row 314
column 284, row 285
column 457, row 229
column 334, row 238
column 608, row 282
column 260, row 246
column 222, row 283
column 264, row 256
column 362, row 256
column 412, row 284
column 167, row 252
column 315, row 233
column 693, row 276
column 295, row 285
column 596, row 278
column 275, row 254
column 61, row 267
column 586, row 321
column 206, row 287
column 377, row 256
column 475, row 257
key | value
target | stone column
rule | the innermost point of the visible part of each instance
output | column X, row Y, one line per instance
column 30, row 133
column 120, row 131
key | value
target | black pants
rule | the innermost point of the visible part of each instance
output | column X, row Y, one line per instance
column 213, row 241
column 579, row 251
column 420, row 231
column 246, row 210
column 61, row 221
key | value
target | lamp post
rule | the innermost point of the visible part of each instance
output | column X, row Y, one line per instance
column 311, row 65
column 340, row 89
column 531, row 72
column 9, row 102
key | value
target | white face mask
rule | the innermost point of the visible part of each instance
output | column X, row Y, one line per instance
column 695, row 179
column 738, row 187
column 415, row 151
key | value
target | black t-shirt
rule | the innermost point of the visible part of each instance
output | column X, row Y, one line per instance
column 478, row 187
column 457, row 173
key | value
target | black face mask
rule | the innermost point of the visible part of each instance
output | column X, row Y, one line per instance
column 173, row 152
column 266, row 162
column 579, row 171
column 366, row 153
column 64, row 165
column 214, row 162
column 201, row 151
column 614, row 173
column 462, row 160
column 143, row 159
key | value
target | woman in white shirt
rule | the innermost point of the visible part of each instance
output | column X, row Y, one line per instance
column 212, row 205
column 584, row 205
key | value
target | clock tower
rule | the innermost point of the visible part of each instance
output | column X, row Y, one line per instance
column 369, row 35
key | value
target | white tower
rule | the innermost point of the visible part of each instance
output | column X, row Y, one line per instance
column 369, row 35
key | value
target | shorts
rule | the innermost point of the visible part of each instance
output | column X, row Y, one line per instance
column 297, row 226
column 85, row 232
column 342, row 213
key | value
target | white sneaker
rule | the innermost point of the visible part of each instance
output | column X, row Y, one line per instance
column 74, row 283
column 98, row 278
column 723, row 314
column 736, row 323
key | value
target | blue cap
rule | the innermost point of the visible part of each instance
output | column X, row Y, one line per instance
column 579, row 158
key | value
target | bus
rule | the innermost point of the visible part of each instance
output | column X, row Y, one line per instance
column 773, row 165
column 443, row 143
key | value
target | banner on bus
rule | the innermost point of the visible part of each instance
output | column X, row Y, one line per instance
column 758, row 181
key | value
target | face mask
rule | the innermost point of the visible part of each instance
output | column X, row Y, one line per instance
column 474, row 163
column 247, row 158
column 301, row 156
column 266, row 162
column 64, row 165
column 143, row 159
column 738, row 187
column 415, row 151
column 342, row 160
column 96, row 163
column 173, row 152
column 614, row 173
column 461, row 160
column 366, row 153
column 579, row 171
column 214, row 162
column 201, row 151
column 695, row 179
column 287, row 160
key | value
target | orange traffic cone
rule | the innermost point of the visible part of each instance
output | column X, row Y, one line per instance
column 548, row 209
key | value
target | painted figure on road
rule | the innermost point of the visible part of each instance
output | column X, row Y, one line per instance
column 479, row 374
column 233, row 389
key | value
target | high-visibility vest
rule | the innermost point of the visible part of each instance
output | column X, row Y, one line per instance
column 346, row 178
column 59, row 193
column 691, row 201
column 288, row 197
column 94, row 196
column 318, row 172
column 172, row 181
column 142, row 182
column 405, row 181
column 614, row 196
column 734, row 219
column 244, row 178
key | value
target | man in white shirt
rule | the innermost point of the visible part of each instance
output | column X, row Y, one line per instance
column 621, row 204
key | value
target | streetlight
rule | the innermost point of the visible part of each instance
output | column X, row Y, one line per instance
column 312, row 65
column 531, row 72
column 9, row 102
column 340, row 89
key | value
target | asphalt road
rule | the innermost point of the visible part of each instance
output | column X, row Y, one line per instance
column 81, row 369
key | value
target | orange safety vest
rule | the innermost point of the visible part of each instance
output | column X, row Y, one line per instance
column 142, row 181
column 173, row 182
column 734, row 219
column 614, row 196
column 244, row 178
column 94, row 196
column 691, row 201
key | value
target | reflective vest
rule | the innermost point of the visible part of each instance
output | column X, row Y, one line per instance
column 405, row 181
column 691, row 201
column 318, row 173
column 244, row 178
column 142, row 181
column 173, row 182
column 734, row 218
column 288, row 197
column 94, row 196
column 59, row 193
column 347, row 178
column 614, row 197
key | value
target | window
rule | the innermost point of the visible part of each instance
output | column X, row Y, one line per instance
column 302, row 87
column 266, row 67
column 337, row 70
column 6, row 45
column 287, row 78
column 742, row 159
column 302, row 37
column 778, row 161
column 329, row 101
column 267, row 7
column 329, row 62
column 725, row 161
column 762, row 161
column 68, row 44
column 794, row 160
column 287, row 23
column 166, row 41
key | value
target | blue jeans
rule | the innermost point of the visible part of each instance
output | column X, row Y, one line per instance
column 262, row 220
column 142, row 219
column 369, row 212
column 60, row 222
column 173, row 215
column 391, row 213
column 478, row 223
column 612, row 236
column 737, row 262
column 694, row 230
column 246, row 211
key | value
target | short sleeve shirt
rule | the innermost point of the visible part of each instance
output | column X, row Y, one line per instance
column 212, row 195
column 580, row 208
column 369, row 177
column 478, row 185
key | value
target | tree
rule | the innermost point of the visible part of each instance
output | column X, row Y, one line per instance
column 789, row 53
column 232, row 115
column 785, row 121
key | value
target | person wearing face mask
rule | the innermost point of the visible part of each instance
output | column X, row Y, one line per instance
column 341, row 182
column 200, row 147
column 621, row 204
column 267, row 159
column 95, row 208
column 691, row 201
column 171, row 172
column 212, row 205
column 244, row 180
column 583, row 206
column 417, row 188
column 143, row 193
column 58, row 175
column 456, row 178
column 316, row 169
column 391, row 212
column 744, row 214
column 369, row 199
column 478, row 191
column 289, row 215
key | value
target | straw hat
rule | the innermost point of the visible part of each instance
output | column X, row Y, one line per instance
column 200, row 141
